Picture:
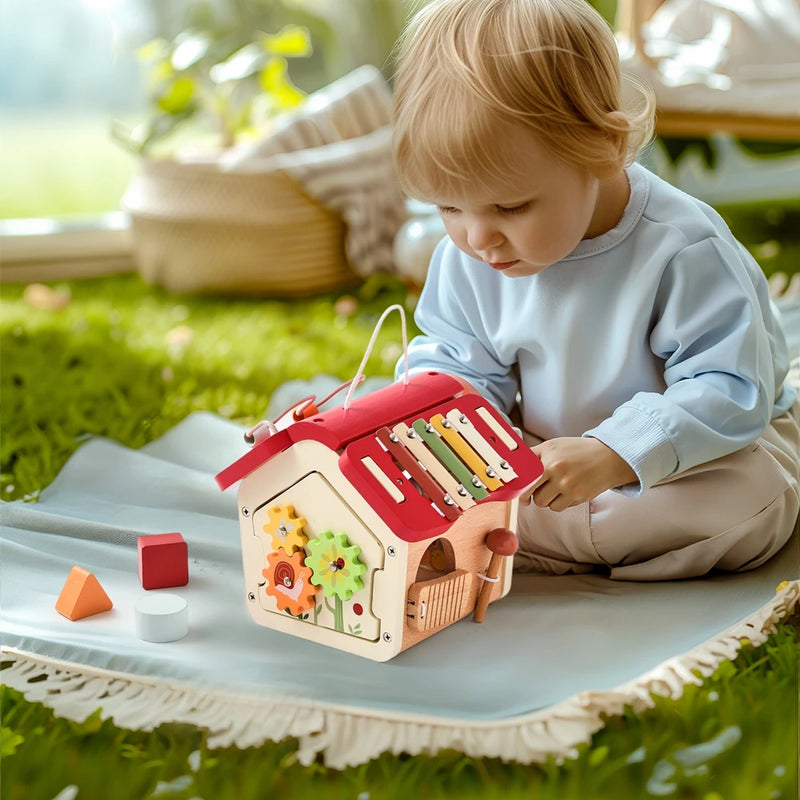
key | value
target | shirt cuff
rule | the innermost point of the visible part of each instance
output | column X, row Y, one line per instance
column 639, row 439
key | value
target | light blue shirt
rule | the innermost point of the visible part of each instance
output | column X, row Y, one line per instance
column 657, row 337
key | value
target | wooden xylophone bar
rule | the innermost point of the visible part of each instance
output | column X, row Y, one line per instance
column 423, row 472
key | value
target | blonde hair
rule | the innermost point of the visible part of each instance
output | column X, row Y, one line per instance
column 469, row 68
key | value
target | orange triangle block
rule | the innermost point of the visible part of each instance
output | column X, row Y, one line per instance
column 82, row 596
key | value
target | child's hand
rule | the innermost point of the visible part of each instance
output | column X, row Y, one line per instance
column 577, row 469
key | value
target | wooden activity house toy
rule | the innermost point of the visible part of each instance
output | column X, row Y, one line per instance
column 375, row 524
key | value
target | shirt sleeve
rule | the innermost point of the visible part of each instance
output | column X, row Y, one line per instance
column 710, row 331
column 451, row 314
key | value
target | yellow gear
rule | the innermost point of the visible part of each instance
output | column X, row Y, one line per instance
column 286, row 529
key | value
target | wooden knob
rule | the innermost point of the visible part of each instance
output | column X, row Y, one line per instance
column 502, row 541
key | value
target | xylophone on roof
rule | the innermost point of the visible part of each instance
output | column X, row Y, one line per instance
column 372, row 526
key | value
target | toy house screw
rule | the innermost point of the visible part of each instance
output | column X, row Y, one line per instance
column 387, row 637
column 502, row 542
column 245, row 511
column 251, row 596
column 391, row 550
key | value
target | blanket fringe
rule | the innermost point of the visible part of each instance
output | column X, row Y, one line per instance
column 348, row 736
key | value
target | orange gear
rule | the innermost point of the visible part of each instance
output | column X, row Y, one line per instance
column 289, row 582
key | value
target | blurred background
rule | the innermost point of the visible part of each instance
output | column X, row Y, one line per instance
column 70, row 70
column 82, row 79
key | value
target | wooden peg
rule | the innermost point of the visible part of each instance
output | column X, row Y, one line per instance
column 502, row 542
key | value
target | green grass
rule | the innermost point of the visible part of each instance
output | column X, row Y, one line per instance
column 127, row 361
column 770, row 230
column 732, row 738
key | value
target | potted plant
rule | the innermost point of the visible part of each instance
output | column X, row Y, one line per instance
column 226, row 196
column 197, row 79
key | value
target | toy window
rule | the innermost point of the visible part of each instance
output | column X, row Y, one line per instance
column 438, row 559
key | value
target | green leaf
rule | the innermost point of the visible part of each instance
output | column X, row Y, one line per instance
column 190, row 48
column 132, row 751
column 92, row 724
column 293, row 41
column 9, row 742
column 246, row 61
column 177, row 97
column 153, row 50
column 160, row 72
column 598, row 755
column 275, row 82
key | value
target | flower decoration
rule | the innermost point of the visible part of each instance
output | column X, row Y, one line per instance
column 289, row 582
column 286, row 529
column 335, row 565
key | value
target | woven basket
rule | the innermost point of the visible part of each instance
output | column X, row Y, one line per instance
column 199, row 229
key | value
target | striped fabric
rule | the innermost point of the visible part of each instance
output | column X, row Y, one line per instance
column 338, row 147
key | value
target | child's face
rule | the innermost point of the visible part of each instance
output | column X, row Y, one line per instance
column 520, row 226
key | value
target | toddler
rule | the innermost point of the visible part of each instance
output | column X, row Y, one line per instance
column 614, row 317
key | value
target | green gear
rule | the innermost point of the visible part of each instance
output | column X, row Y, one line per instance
column 335, row 565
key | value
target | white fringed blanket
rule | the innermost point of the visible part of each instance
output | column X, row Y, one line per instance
column 533, row 680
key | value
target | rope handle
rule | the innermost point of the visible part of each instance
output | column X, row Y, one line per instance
column 360, row 372
column 309, row 406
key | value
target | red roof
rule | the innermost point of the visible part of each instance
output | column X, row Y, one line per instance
column 409, row 501
column 337, row 427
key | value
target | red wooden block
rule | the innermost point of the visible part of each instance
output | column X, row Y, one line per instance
column 163, row 561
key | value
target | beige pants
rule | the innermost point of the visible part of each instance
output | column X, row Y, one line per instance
column 730, row 514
